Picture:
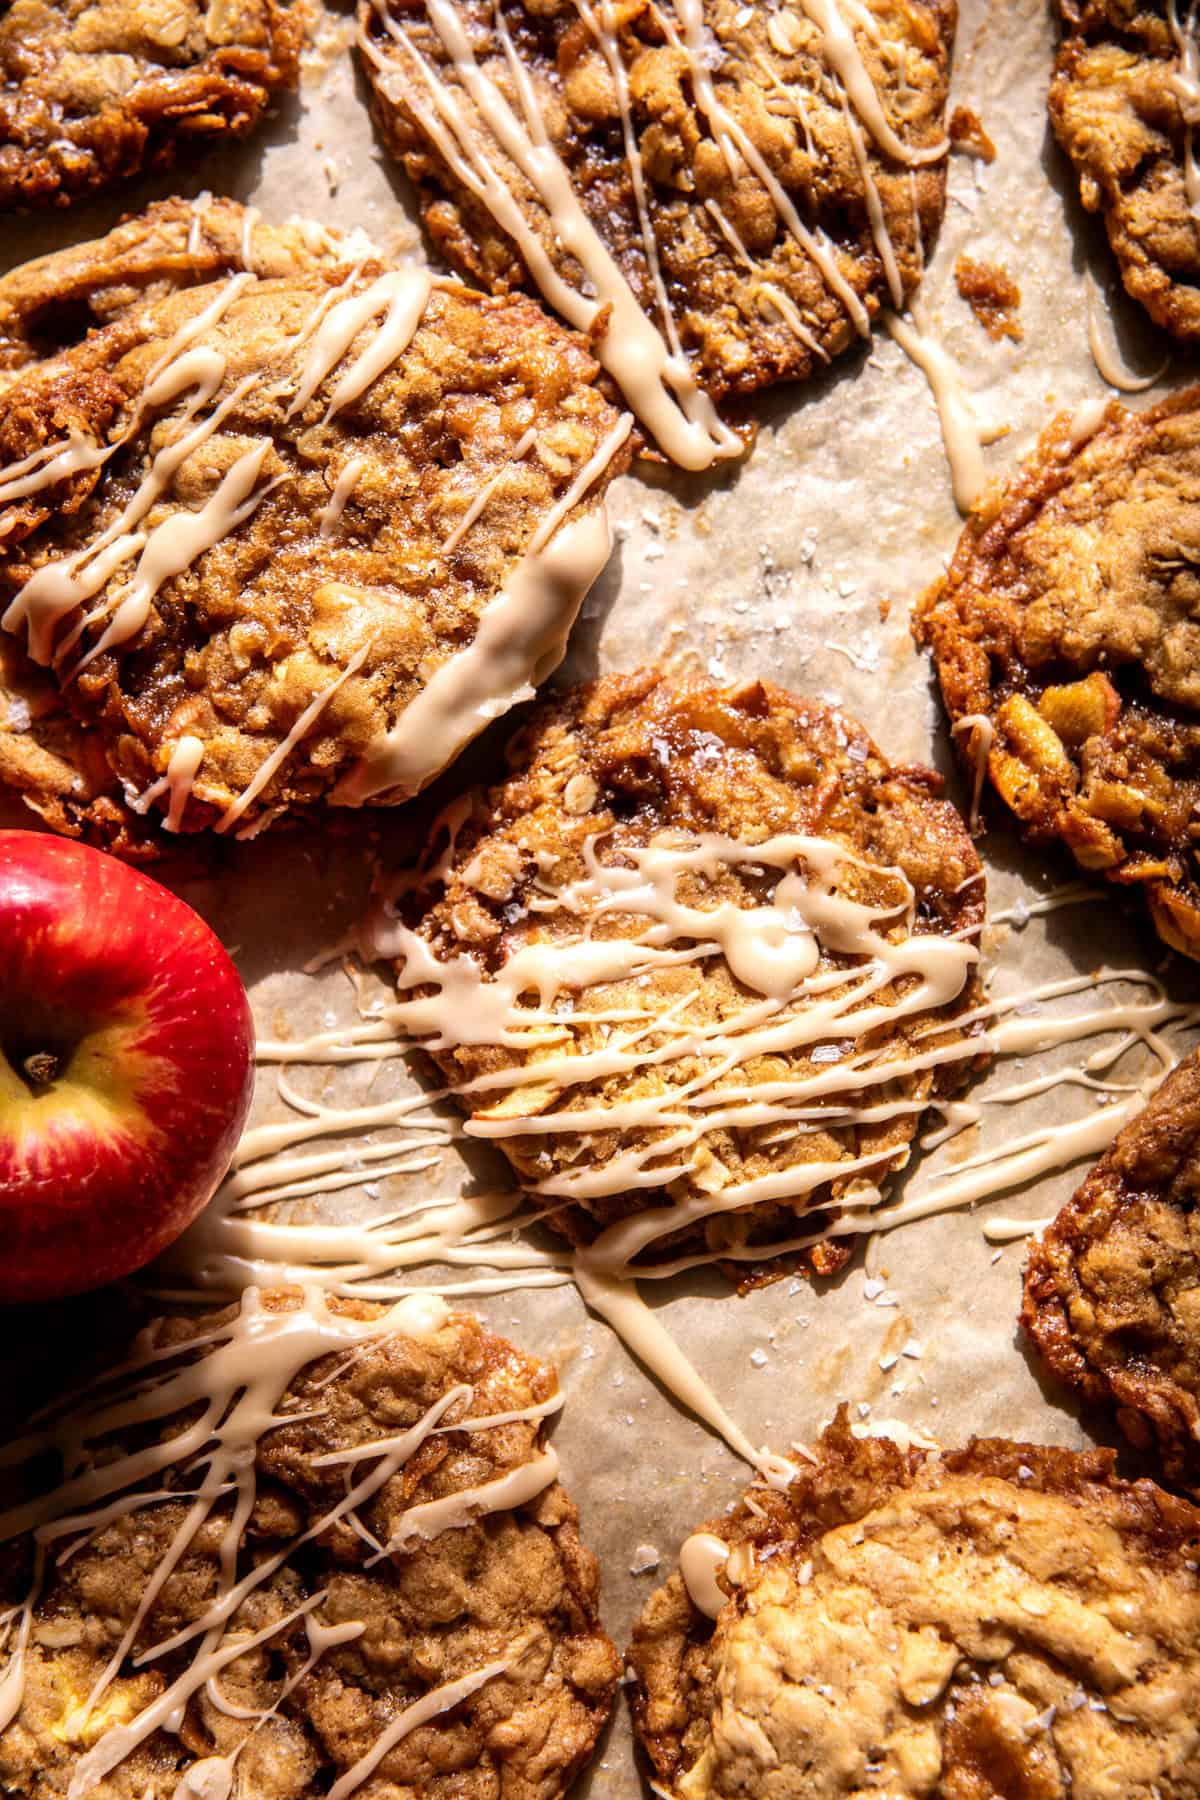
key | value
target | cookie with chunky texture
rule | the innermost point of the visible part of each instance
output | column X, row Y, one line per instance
column 721, row 195
column 1112, row 1288
column 695, row 965
column 302, row 1547
column 1066, row 640
column 93, row 93
column 52, row 302
column 1000, row 1620
column 1124, row 103
column 288, row 539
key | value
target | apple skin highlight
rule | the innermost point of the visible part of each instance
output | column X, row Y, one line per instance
column 126, row 1066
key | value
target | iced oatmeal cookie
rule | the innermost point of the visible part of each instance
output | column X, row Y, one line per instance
column 291, row 539
column 1124, row 103
column 1000, row 1620
column 94, row 91
column 695, row 966
column 722, row 196
column 1067, row 647
column 302, row 1548
column 1112, row 1288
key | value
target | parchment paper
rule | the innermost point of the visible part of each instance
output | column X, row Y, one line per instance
column 800, row 565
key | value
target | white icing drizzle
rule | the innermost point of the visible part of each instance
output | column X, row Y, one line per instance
column 1184, row 83
column 521, row 638
column 52, row 463
column 336, row 505
column 875, row 213
column 200, row 206
column 438, row 1700
column 1011, row 1231
column 843, row 56
column 701, row 1559
column 250, row 218
column 983, row 733
column 730, row 235
column 271, row 764
column 789, row 312
column 605, row 35
column 1106, row 356
column 961, row 431
column 659, row 386
column 236, row 1375
column 401, row 296
column 816, row 247
column 181, row 771
column 520, row 449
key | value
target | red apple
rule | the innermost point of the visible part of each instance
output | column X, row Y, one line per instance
column 126, row 1066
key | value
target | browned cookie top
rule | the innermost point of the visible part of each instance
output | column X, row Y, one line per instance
column 92, row 91
column 303, row 492
column 656, row 956
column 1001, row 1620
column 53, row 301
column 1067, row 647
column 729, row 157
column 1124, row 102
column 484, row 1608
column 1112, row 1289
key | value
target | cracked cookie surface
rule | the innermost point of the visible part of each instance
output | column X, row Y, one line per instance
column 507, row 1589
column 1066, row 635
column 1001, row 1620
column 1112, row 1287
column 689, row 1059
column 303, row 560
column 690, row 181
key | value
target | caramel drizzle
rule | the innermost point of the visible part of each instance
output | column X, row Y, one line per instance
column 239, row 1381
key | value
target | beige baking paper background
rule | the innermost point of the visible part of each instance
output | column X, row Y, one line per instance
column 799, row 565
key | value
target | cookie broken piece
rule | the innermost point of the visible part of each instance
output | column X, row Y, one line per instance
column 1124, row 104
column 293, row 540
column 371, row 1583
column 1112, row 1288
column 1066, row 644
column 52, row 302
column 92, row 95
column 721, row 196
column 696, row 967
column 1001, row 1620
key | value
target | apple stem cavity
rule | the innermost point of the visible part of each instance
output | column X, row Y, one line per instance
column 42, row 1069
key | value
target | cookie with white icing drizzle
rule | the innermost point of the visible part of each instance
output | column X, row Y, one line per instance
column 697, row 965
column 52, row 302
column 1006, row 1619
column 1065, row 638
column 302, row 1547
column 294, row 540
column 722, row 196
column 92, row 95
column 1112, row 1287
column 1124, row 104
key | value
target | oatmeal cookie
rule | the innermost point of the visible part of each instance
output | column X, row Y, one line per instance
column 1067, row 647
column 293, row 539
column 694, row 965
column 95, row 91
column 1112, row 1289
column 1124, row 103
column 52, row 302
column 752, row 184
column 399, row 1600
column 1002, row 1620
